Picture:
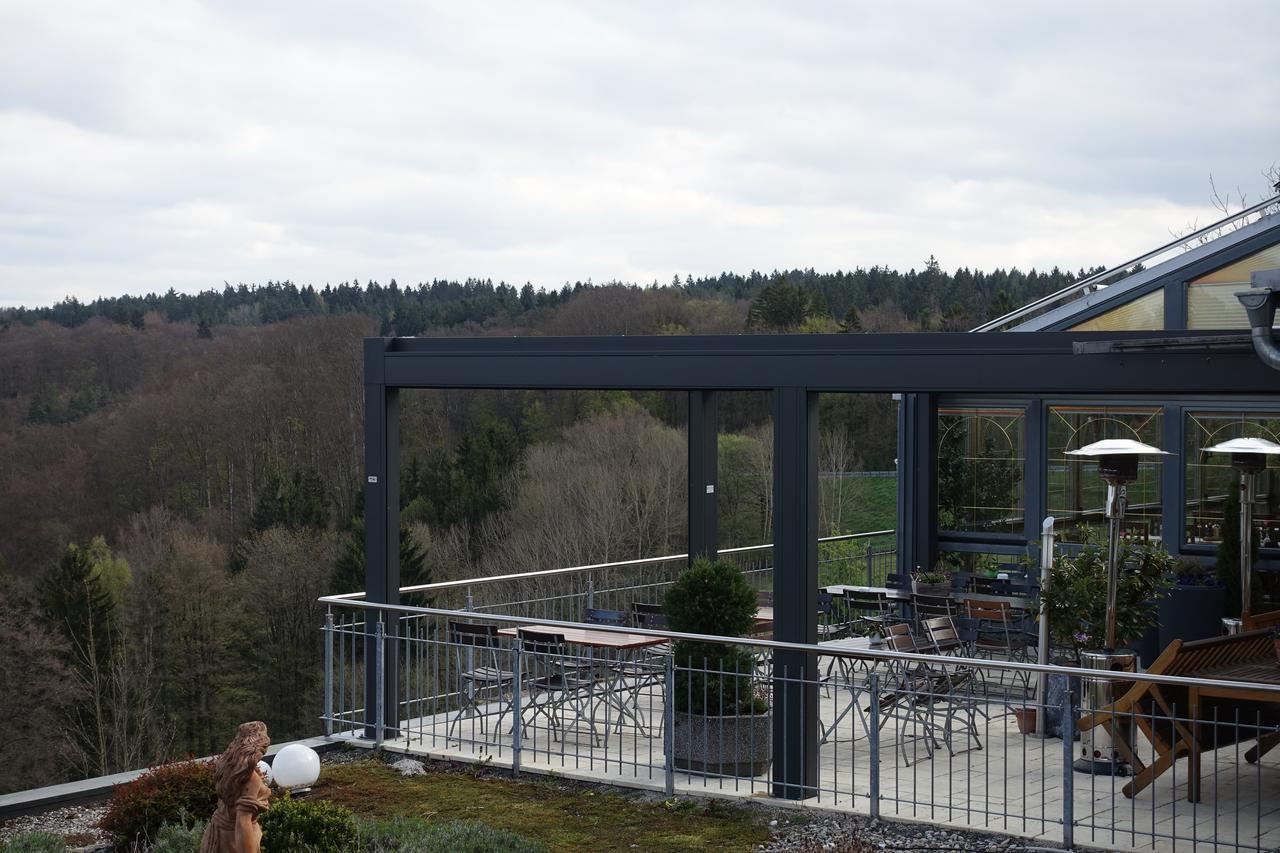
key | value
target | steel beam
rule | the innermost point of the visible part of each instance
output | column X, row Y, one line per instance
column 795, row 591
column 381, row 537
column 704, row 425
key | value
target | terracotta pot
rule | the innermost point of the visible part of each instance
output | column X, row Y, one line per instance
column 1026, row 718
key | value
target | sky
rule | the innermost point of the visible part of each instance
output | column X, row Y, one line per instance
column 148, row 145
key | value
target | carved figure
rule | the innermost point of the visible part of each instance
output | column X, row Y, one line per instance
column 242, row 794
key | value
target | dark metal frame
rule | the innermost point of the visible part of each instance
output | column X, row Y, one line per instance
column 795, row 369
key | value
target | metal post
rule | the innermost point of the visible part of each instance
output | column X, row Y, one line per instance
column 668, row 727
column 517, row 730
column 379, row 664
column 1042, row 655
column 328, row 672
column 591, row 593
column 1246, row 541
column 1068, row 772
column 871, row 562
column 1117, row 498
column 873, row 741
column 704, row 426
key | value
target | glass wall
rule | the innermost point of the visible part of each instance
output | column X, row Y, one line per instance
column 1211, row 300
column 981, row 455
column 1076, row 494
column 1210, row 477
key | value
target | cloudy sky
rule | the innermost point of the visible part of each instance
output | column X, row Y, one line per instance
column 148, row 145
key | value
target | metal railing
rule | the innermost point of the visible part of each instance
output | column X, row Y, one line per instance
column 910, row 735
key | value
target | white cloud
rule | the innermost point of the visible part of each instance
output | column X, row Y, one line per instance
column 149, row 145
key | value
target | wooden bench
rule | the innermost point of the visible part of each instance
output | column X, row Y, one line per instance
column 1259, row 621
column 1164, row 712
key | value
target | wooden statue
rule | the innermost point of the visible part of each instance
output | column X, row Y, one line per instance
column 242, row 794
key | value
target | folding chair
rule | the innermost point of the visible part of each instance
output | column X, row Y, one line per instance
column 475, row 648
column 553, row 678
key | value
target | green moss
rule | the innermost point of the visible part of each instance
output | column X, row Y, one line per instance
column 563, row 816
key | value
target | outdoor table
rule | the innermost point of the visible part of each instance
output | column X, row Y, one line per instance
column 1020, row 602
column 1264, row 674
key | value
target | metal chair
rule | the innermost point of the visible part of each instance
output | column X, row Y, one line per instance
column 554, row 680
column 476, row 649
column 870, row 608
column 999, row 633
column 925, row 607
column 624, row 674
column 833, row 620
column 597, row 616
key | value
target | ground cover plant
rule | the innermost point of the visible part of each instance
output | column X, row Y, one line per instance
column 559, row 814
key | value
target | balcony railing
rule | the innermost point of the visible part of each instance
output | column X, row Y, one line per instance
column 924, row 736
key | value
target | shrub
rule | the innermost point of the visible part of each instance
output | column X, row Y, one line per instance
column 712, row 678
column 34, row 842
column 178, row 838
column 313, row 825
column 414, row 835
column 171, row 793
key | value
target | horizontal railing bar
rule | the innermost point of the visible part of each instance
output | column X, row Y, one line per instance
column 543, row 573
column 824, row 651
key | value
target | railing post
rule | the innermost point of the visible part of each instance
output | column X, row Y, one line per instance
column 591, row 593
column 516, row 714
column 668, row 725
column 328, row 672
column 873, row 741
column 379, row 663
column 871, row 555
column 1068, row 770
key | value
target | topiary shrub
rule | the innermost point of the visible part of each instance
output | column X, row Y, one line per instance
column 415, row 835
column 171, row 793
column 178, row 838
column 34, row 842
column 713, row 679
column 313, row 825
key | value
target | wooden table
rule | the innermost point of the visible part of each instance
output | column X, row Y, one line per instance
column 590, row 638
column 1264, row 674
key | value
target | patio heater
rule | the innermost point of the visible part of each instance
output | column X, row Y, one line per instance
column 1118, row 465
column 1248, row 456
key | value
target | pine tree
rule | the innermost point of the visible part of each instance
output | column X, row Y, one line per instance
column 349, row 568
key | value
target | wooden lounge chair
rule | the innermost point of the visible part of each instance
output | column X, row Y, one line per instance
column 1258, row 621
column 1162, row 711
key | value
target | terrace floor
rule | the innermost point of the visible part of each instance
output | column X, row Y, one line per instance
column 1014, row 784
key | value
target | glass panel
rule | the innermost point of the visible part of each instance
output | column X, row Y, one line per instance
column 1211, row 301
column 1075, row 491
column 1210, row 476
column 1141, row 314
column 981, row 453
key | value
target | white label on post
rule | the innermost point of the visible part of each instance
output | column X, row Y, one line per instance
column 711, row 488
column 373, row 478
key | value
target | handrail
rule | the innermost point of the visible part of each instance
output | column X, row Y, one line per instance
column 1085, row 283
column 825, row 651
column 542, row 573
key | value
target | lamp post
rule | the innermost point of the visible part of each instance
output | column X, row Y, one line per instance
column 1248, row 456
column 1118, row 465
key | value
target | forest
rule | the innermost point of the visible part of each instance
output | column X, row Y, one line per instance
column 180, row 478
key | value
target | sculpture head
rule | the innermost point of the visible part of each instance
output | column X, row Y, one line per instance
column 232, row 769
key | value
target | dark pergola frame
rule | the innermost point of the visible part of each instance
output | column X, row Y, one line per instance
column 796, row 369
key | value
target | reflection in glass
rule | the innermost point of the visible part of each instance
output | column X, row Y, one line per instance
column 1211, row 479
column 1076, row 494
column 981, row 454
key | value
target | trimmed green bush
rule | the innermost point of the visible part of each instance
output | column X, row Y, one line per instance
column 35, row 842
column 171, row 793
column 178, row 838
column 414, row 835
column 711, row 678
column 292, row 824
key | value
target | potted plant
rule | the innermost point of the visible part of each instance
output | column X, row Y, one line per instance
column 722, row 724
column 1195, row 605
column 931, row 582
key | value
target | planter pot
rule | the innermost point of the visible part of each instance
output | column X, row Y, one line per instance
column 1192, row 613
column 1026, row 718
column 723, row 746
column 940, row 590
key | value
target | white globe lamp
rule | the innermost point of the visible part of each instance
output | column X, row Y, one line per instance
column 296, row 767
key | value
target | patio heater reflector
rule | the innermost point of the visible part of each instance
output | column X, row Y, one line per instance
column 1118, row 466
column 1248, row 456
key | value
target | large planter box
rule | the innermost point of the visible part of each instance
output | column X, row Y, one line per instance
column 723, row 746
column 938, row 590
column 1192, row 613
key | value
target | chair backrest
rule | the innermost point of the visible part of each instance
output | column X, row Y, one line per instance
column 596, row 616
column 897, row 581
column 927, row 606
column 650, row 616
column 541, row 642
column 866, row 602
column 826, row 603
column 473, row 634
column 942, row 633
column 987, row 611
column 898, row 638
